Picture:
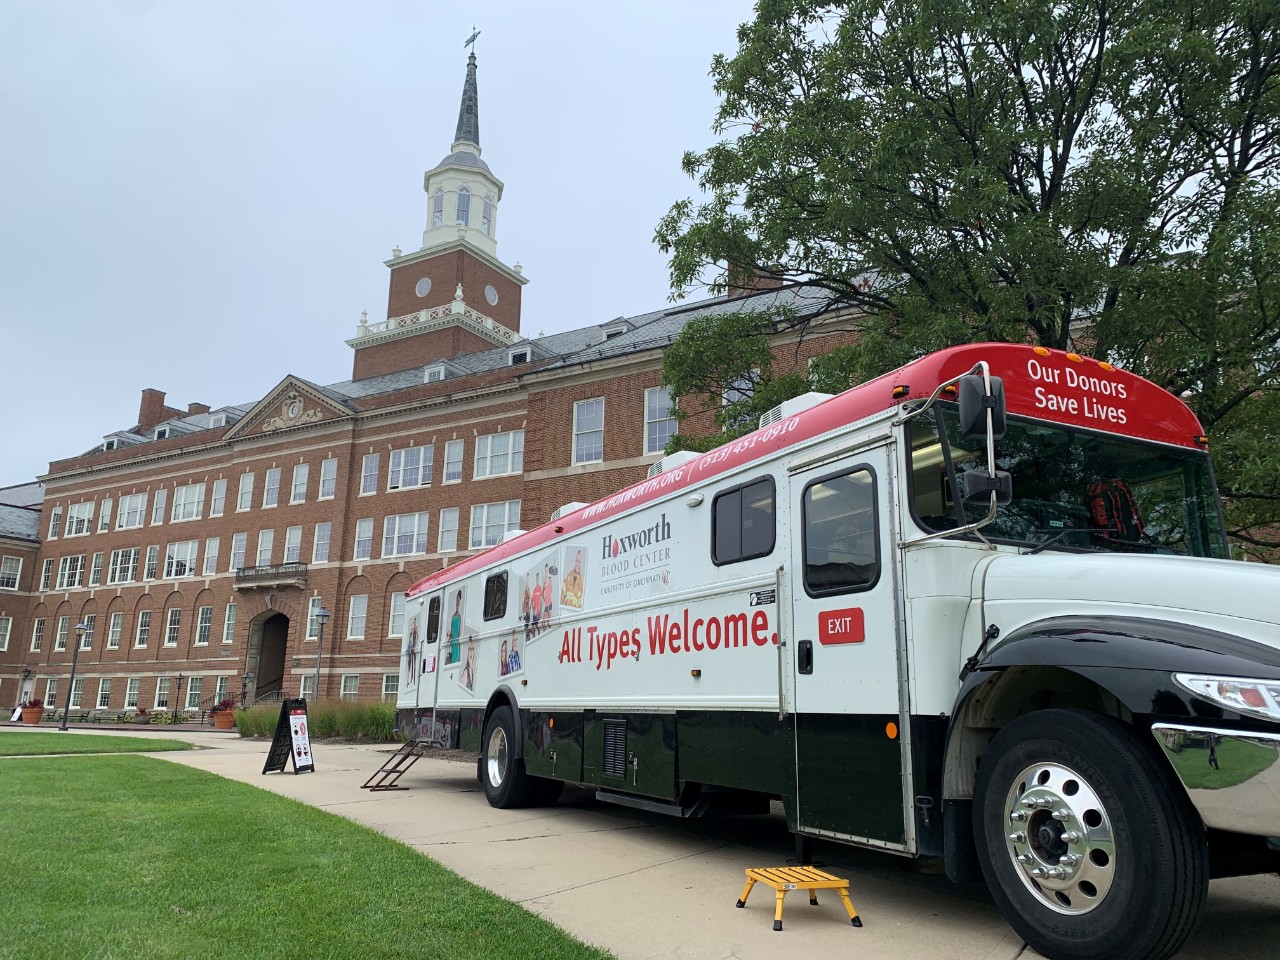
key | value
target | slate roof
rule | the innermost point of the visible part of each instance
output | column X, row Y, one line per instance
column 20, row 523
column 23, row 495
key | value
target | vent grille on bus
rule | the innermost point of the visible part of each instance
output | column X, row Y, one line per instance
column 615, row 748
column 671, row 461
column 789, row 408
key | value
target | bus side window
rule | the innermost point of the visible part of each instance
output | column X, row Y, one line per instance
column 743, row 524
column 495, row 596
column 433, row 620
column 841, row 534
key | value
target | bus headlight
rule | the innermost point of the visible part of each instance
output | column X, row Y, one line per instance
column 1255, row 698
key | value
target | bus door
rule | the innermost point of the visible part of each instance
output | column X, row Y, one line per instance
column 419, row 654
column 844, row 650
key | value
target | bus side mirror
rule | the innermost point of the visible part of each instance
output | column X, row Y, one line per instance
column 978, row 485
column 974, row 404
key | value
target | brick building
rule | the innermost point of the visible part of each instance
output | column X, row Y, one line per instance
column 197, row 545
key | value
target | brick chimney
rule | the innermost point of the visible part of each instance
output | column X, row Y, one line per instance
column 746, row 280
column 152, row 410
column 194, row 408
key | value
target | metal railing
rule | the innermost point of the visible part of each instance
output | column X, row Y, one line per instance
column 272, row 575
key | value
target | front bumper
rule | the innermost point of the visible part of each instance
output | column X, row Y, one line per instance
column 1231, row 776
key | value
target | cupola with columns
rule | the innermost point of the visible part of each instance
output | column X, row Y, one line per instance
column 453, row 295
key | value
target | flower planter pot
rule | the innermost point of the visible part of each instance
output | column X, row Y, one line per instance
column 141, row 719
column 224, row 720
column 32, row 714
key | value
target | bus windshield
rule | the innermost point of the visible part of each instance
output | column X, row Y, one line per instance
column 1072, row 489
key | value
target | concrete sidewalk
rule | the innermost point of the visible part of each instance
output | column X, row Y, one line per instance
column 645, row 886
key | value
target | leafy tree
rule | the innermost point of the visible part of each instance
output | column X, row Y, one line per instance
column 1099, row 174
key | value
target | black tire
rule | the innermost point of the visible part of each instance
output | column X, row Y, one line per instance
column 1125, row 861
column 502, row 775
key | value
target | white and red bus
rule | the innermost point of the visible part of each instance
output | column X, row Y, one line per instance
column 980, row 608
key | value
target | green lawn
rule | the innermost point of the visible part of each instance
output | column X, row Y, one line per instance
column 31, row 744
column 1237, row 762
column 133, row 857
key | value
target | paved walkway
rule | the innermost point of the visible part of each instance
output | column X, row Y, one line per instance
column 648, row 887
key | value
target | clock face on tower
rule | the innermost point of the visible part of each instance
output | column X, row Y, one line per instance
column 491, row 294
column 423, row 287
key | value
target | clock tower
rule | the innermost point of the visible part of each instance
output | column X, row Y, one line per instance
column 453, row 295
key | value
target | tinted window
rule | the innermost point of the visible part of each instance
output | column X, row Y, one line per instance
column 433, row 619
column 495, row 596
column 743, row 522
column 840, row 534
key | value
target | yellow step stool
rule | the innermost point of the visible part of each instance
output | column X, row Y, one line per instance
column 783, row 879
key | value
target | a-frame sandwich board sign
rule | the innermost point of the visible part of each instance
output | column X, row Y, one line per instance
column 292, row 740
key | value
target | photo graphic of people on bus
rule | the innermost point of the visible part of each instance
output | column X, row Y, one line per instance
column 411, row 651
column 537, row 594
column 574, row 583
column 509, row 655
column 468, row 676
column 453, row 651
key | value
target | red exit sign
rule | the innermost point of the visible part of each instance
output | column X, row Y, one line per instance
column 841, row 626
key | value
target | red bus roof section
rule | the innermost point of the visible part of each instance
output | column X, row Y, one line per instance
column 1039, row 383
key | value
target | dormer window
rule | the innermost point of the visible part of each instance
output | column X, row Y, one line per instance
column 162, row 433
column 437, row 208
column 611, row 332
column 464, row 207
column 218, row 420
column 434, row 374
column 519, row 356
column 110, row 443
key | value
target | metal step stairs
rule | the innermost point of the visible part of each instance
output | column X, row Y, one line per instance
column 397, row 764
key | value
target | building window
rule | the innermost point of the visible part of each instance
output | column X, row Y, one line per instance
column 298, row 492
column 95, row 569
column 6, row 625
column 124, row 566
column 70, row 572
column 89, row 621
column 104, row 693
column 433, row 374
column 364, row 539
column 396, row 627
column 244, row 499
column 411, row 467
column 204, row 625
column 115, row 629
column 437, row 208
column 180, row 559
column 448, row 530
column 143, row 633
column 173, row 627
column 498, row 454
column 489, row 521
column 218, row 504
column 162, row 693
column 328, row 479
column 77, row 694
column 453, row 461
column 131, row 691
column 369, row 474
column 55, row 523
column 104, row 515
column 132, row 509
column 292, row 544
column 160, row 433
column 390, row 686
column 153, row 561
column 158, row 505
column 51, row 692
column 404, row 534
column 351, row 686
column 314, row 606
column 10, row 571
column 79, row 519
column 742, row 522
column 486, row 217
column 229, row 624
column 46, row 574
column 212, row 547
column 220, row 689
column 464, row 207
column 356, row 615
column 320, row 543
column 588, row 430
column 517, row 357
column 60, row 638
column 266, row 541
column 194, row 686
column 308, row 686
column 239, row 543
column 188, row 503
column 659, row 419
column 37, row 634
column 271, row 490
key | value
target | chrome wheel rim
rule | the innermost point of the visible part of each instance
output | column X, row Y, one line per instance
column 496, row 757
column 1059, row 837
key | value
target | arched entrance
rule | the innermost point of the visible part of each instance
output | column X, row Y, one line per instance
column 268, row 636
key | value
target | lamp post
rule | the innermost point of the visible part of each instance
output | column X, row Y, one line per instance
column 322, row 617
column 81, row 629
column 178, row 698
column 244, row 687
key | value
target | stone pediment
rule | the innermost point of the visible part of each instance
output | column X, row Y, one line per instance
column 293, row 403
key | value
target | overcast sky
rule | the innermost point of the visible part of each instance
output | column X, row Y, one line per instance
column 199, row 196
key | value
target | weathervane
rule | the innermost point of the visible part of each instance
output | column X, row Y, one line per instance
column 471, row 40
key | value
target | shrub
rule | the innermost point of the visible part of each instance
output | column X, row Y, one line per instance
column 326, row 719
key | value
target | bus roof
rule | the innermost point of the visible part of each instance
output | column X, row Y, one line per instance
column 1039, row 383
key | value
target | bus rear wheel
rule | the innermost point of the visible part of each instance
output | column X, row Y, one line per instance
column 502, row 774
column 1090, row 849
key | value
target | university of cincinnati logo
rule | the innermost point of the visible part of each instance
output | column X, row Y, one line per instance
column 616, row 546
